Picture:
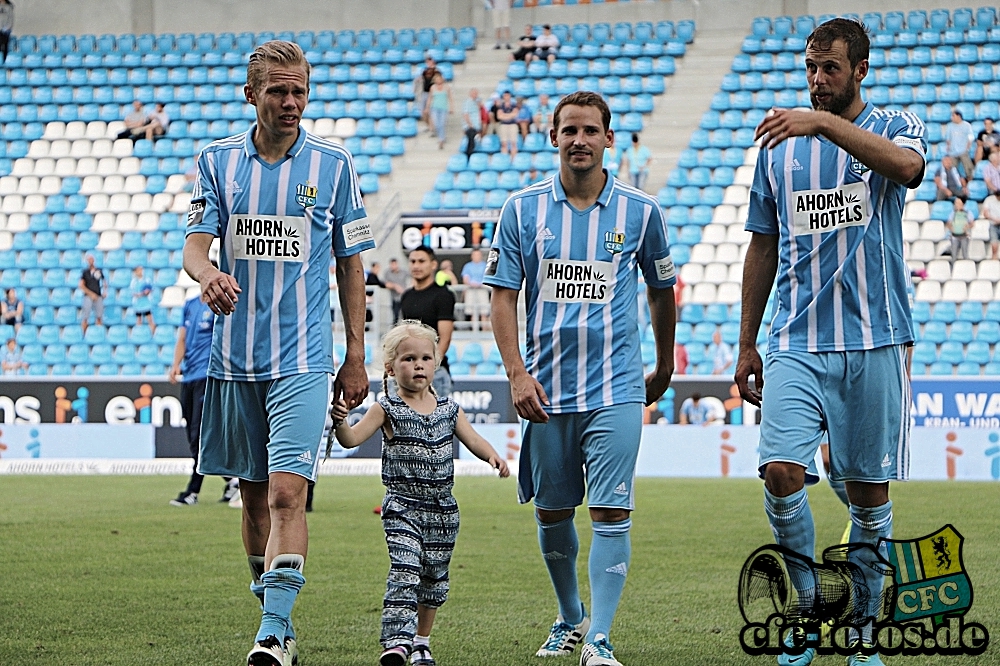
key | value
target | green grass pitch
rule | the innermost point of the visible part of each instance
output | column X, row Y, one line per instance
column 101, row 570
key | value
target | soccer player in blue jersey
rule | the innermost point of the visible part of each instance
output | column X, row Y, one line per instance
column 577, row 241
column 825, row 212
column 280, row 200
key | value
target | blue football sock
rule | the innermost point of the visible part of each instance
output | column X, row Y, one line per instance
column 792, row 524
column 281, row 587
column 610, row 554
column 840, row 488
column 560, row 545
column 868, row 525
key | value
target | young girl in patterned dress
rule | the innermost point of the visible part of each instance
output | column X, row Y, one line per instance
column 419, row 513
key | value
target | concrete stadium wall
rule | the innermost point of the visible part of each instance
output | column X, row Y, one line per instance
column 156, row 16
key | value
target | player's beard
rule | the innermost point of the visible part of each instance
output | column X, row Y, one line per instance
column 839, row 102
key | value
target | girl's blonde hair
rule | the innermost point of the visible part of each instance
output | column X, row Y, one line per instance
column 408, row 328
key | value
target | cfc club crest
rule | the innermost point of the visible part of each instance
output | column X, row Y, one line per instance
column 931, row 580
column 305, row 194
column 858, row 167
column 614, row 241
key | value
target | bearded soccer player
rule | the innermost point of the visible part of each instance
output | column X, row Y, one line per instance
column 825, row 212
column 279, row 199
column 576, row 241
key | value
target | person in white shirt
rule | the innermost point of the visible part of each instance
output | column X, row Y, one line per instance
column 157, row 122
column 547, row 44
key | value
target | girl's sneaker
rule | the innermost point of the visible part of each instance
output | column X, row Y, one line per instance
column 394, row 656
column 422, row 656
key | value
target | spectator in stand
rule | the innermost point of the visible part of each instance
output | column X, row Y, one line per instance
column 547, row 44
column 372, row 278
column 445, row 276
column 477, row 295
column 987, row 140
column 695, row 412
column 949, row 181
column 532, row 176
column 543, row 114
column 680, row 359
column 440, row 106
column 94, row 289
column 637, row 158
column 472, row 121
column 6, row 27
column 525, row 45
column 613, row 160
column 960, row 225
column 721, row 354
column 507, row 111
column 433, row 305
column 422, row 86
column 12, row 310
column 156, row 124
column 959, row 137
column 396, row 280
column 12, row 363
column 135, row 122
column 500, row 10
column 142, row 303
column 524, row 117
column 991, row 211
column 991, row 172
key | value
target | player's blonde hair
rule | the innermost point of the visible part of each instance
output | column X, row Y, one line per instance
column 275, row 52
column 408, row 328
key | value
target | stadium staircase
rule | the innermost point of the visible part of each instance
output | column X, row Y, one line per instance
column 414, row 172
column 628, row 64
column 689, row 92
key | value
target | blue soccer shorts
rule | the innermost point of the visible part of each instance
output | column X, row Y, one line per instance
column 252, row 429
column 860, row 399
column 592, row 452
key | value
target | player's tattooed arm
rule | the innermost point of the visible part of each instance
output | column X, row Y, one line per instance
column 899, row 164
column 663, row 318
column 218, row 290
column 759, row 269
column 527, row 394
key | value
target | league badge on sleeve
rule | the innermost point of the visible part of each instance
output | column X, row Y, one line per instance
column 305, row 194
column 196, row 210
column 492, row 259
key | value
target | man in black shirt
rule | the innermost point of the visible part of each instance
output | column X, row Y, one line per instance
column 94, row 289
column 525, row 45
column 987, row 141
column 433, row 305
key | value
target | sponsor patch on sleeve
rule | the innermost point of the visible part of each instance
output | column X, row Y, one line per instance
column 909, row 142
column 359, row 231
column 665, row 268
column 492, row 259
column 196, row 211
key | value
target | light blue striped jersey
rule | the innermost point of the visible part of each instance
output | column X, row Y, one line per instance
column 277, row 223
column 579, row 270
column 842, row 280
